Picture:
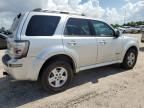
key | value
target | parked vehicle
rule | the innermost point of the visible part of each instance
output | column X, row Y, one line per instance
column 142, row 28
column 50, row 46
column 3, row 42
column 128, row 29
column 142, row 38
column 123, row 30
column 136, row 29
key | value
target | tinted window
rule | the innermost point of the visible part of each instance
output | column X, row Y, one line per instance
column 102, row 29
column 42, row 25
column 77, row 27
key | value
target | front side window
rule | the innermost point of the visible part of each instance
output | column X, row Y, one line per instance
column 77, row 27
column 102, row 29
column 42, row 25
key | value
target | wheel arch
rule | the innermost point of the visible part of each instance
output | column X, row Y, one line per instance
column 133, row 47
column 130, row 47
column 53, row 58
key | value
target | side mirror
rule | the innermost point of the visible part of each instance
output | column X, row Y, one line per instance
column 117, row 33
column 3, row 42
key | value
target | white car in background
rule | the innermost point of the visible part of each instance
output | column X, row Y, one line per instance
column 121, row 29
column 136, row 29
column 142, row 28
column 128, row 29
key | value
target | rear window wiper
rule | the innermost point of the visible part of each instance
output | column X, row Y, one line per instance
column 19, row 15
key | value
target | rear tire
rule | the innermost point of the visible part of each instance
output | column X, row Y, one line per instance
column 57, row 76
column 130, row 59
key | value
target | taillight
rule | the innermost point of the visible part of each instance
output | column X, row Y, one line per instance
column 20, row 49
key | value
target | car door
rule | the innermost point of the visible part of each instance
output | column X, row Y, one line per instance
column 78, row 40
column 109, row 47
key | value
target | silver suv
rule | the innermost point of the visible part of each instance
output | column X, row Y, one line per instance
column 51, row 46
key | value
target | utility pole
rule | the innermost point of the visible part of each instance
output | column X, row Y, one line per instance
column 125, row 17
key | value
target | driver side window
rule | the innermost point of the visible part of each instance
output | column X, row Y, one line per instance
column 102, row 29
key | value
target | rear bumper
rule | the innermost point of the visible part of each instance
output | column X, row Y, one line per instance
column 14, row 68
column 22, row 69
column 6, row 59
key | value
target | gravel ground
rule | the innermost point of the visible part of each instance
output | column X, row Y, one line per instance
column 106, row 87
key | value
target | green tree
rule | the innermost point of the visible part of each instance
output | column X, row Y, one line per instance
column 2, row 29
column 133, row 24
column 115, row 25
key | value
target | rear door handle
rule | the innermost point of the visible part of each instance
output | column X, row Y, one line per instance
column 72, row 43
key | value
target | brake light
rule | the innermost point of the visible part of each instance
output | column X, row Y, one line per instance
column 20, row 49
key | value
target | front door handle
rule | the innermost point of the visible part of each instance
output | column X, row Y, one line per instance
column 102, row 42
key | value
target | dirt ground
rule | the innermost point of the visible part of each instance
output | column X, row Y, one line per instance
column 106, row 87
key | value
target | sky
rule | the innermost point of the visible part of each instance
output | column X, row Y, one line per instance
column 112, row 11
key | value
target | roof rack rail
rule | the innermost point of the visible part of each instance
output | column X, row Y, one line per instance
column 37, row 9
column 57, row 11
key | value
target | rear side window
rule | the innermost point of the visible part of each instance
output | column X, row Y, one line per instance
column 77, row 27
column 42, row 25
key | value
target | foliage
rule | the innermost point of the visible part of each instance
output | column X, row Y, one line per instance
column 115, row 25
column 132, row 24
column 2, row 30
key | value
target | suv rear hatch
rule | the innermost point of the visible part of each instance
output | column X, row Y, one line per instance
column 7, row 36
column 15, row 47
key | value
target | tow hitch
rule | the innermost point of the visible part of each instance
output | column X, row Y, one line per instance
column 5, row 73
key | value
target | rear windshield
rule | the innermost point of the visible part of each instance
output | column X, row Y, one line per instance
column 42, row 25
column 15, row 24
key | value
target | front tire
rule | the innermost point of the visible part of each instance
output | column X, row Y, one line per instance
column 56, row 76
column 130, row 59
